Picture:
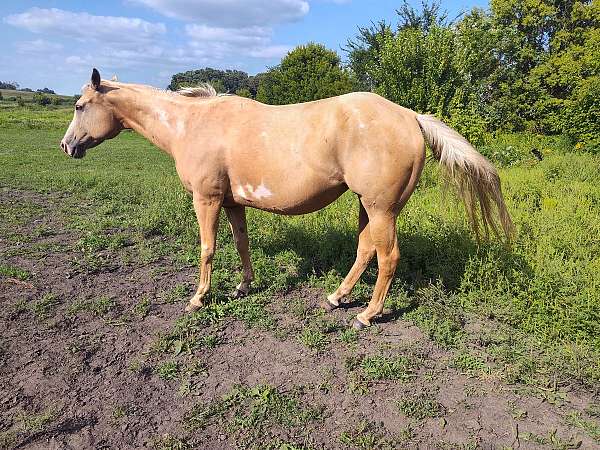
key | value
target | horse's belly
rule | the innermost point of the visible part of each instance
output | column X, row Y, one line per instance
column 280, row 200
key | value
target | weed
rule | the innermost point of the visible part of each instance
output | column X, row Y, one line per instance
column 420, row 407
column 552, row 439
column 468, row 363
column 168, row 442
column 366, row 436
column 99, row 306
column 349, row 336
column 14, row 272
column 177, row 294
column 33, row 423
column 43, row 306
column 167, row 371
column 591, row 428
column 313, row 339
column 119, row 412
column 142, row 308
column 210, row 341
column 251, row 412
column 94, row 242
column 382, row 368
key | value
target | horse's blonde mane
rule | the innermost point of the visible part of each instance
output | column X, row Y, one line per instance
column 204, row 90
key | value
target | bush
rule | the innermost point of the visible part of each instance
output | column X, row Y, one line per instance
column 309, row 72
column 583, row 115
column 41, row 99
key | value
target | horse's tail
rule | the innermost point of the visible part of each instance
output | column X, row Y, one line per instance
column 475, row 178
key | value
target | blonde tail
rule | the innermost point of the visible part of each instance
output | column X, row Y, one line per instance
column 475, row 178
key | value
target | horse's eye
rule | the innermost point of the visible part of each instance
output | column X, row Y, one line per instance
column 78, row 107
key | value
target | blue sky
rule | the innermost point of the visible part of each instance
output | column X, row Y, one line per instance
column 56, row 43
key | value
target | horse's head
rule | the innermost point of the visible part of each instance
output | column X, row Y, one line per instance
column 94, row 120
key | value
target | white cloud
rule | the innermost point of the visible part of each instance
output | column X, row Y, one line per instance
column 230, row 34
column 243, row 36
column 86, row 27
column 230, row 13
column 270, row 51
column 221, row 42
column 38, row 46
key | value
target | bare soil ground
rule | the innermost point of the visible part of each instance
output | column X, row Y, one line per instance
column 79, row 365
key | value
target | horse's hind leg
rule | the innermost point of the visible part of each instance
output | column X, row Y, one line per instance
column 239, row 229
column 382, row 228
column 364, row 254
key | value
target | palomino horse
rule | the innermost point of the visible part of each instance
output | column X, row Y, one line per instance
column 232, row 152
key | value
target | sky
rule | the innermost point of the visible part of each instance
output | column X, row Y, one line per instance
column 56, row 43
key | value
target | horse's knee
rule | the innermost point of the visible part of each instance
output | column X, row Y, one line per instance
column 207, row 253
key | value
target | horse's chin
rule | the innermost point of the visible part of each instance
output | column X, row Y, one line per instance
column 79, row 153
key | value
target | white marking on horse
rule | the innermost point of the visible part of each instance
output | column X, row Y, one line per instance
column 264, row 134
column 163, row 117
column 258, row 193
column 241, row 192
column 262, row 192
column 180, row 127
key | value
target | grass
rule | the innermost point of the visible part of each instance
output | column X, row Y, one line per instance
column 14, row 272
column 168, row 442
column 420, row 407
column 313, row 339
column 42, row 307
column 142, row 308
column 543, row 293
column 99, row 306
column 168, row 371
column 254, row 415
column 589, row 426
column 366, row 436
column 34, row 423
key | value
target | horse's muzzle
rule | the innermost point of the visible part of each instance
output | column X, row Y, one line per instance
column 77, row 151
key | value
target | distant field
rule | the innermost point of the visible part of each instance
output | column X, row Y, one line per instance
column 97, row 261
column 26, row 95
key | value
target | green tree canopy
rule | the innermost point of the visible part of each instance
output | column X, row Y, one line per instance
column 309, row 72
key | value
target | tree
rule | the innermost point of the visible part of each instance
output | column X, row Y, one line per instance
column 41, row 99
column 364, row 50
column 309, row 72
column 11, row 85
column 548, row 61
column 244, row 92
column 228, row 81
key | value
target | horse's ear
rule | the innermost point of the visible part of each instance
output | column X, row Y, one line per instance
column 95, row 79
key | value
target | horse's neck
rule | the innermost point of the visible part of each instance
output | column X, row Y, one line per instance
column 153, row 114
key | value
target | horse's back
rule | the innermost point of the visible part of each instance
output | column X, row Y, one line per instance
column 298, row 158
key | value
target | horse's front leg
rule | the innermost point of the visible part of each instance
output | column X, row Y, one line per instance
column 239, row 229
column 207, row 212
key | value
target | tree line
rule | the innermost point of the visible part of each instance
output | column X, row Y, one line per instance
column 517, row 66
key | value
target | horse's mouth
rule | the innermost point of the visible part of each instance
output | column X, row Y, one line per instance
column 78, row 153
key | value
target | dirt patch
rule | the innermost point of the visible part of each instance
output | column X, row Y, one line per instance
column 81, row 365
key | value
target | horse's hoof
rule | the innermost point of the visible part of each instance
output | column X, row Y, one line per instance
column 194, row 305
column 328, row 306
column 192, row 308
column 238, row 293
column 358, row 325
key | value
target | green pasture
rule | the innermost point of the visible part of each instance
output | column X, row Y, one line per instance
column 536, row 305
